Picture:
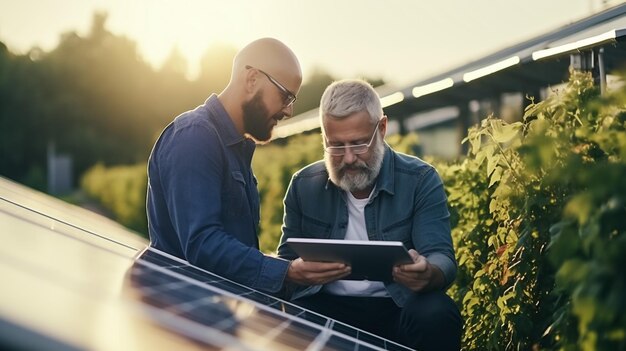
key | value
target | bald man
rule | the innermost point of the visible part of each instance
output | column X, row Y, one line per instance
column 203, row 203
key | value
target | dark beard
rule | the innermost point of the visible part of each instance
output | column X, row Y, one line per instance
column 255, row 121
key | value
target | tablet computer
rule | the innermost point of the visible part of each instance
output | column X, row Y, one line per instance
column 370, row 260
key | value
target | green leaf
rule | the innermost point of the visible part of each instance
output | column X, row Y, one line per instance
column 474, row 139
column 486, row 152
column 580, row 207
column 504, row 133
column 493, row 205
column 495, row 177
column 492, row 163
column 571, row 272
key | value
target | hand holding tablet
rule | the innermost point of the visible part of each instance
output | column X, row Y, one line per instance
column 370, row 260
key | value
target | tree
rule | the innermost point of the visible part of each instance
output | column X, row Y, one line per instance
column 175, row 64
column 215, row 68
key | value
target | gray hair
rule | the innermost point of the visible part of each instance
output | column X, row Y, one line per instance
column 346, row 97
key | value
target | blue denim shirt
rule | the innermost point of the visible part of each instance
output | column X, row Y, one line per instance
column 409, row 204
column 203, row 203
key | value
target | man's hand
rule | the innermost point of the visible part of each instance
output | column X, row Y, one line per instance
column 419, row 275
column 314, row 273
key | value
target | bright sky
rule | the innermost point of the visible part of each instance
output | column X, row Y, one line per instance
column 398, row 40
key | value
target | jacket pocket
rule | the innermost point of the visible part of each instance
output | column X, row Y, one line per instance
column 401, row 230
column 314, row 228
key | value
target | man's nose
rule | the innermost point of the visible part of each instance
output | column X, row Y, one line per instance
column 349, row 157
column 288, row 111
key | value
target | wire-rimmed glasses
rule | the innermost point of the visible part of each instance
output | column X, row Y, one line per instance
column 355, row 149
column 288, row 97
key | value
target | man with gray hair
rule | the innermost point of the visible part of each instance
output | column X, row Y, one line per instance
column 364, row 190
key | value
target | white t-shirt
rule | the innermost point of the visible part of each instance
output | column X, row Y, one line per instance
column 356, row 231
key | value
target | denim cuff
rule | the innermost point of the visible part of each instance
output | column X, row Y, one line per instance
column 447, row 266
column 273, row 274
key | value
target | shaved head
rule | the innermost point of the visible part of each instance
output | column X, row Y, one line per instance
column 273, row 57
column 265, row 79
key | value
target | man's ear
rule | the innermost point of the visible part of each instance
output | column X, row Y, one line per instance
column 251, row 78
column 383, row 126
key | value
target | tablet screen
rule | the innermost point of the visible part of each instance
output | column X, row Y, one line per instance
column 370, row 260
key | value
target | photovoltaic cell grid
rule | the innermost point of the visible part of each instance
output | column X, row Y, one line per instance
column 85, row 282
column 167, row 282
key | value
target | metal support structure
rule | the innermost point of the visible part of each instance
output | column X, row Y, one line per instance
column 602, row 71
column 464, row 123
column 582, row 61
column 585, row 61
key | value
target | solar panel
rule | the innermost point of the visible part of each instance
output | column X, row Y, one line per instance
column 79, row 281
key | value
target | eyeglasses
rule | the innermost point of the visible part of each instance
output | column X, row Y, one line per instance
column 355, row 149
column 288, row 97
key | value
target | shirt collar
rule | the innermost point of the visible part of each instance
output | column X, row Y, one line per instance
column 222, row 120
column 386, row 177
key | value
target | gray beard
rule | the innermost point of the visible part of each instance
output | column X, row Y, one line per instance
column 361, row 180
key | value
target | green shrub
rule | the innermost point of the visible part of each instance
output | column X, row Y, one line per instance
column 538, row 215
column 273, row 165
column 122, row 190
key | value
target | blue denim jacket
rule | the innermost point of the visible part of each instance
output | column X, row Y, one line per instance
column 409, row 204
column 203, row 203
